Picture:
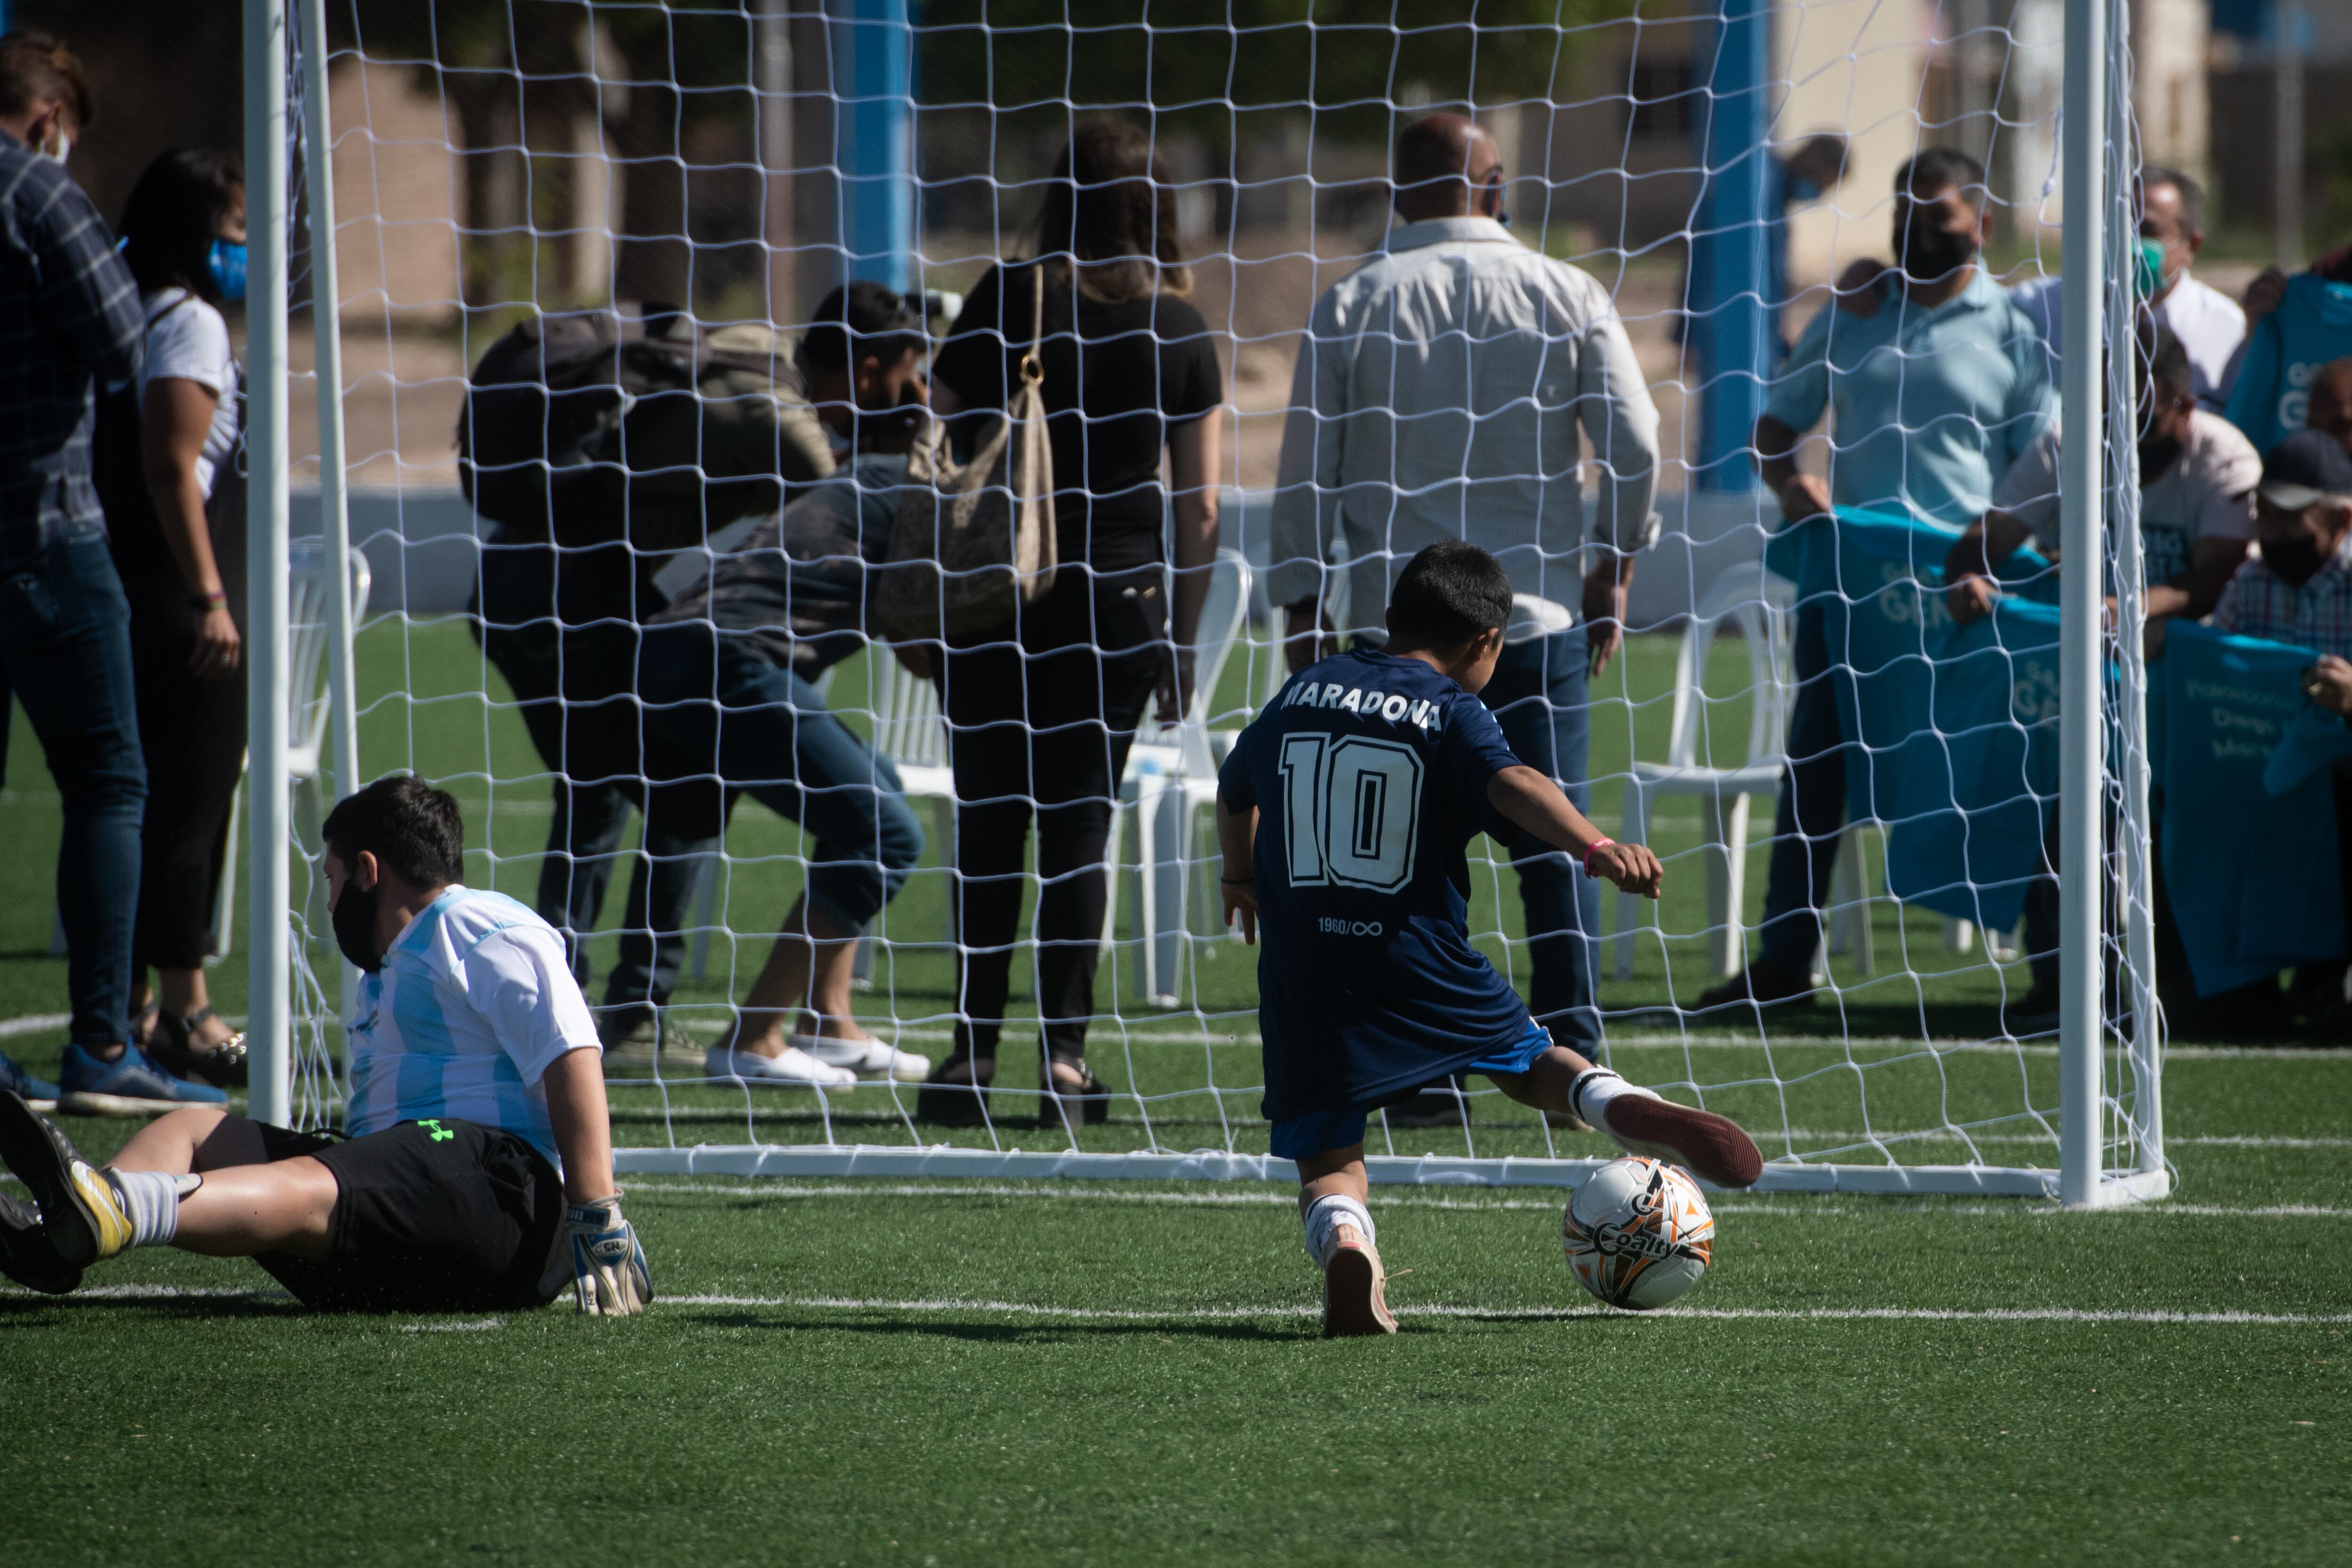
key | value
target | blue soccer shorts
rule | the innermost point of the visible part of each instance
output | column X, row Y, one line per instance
column 1320, row 1132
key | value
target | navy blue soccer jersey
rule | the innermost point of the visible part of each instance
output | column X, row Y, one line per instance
column 1369, row 773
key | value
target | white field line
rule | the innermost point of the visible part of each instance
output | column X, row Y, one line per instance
column 35, row 1023
column 1108, row 1032
column 977, row 1307
column 1247, row 1198
column 1214, row 1197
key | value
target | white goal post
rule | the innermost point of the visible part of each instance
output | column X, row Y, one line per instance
column 2074, row 1115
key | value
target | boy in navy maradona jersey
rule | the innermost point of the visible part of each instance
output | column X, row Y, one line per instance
column 1344, row 813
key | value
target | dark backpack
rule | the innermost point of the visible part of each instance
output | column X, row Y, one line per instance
column 591, row 426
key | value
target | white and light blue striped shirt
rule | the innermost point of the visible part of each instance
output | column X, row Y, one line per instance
column 474, row 1002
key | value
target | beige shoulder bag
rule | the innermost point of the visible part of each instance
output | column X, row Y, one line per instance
column 974, row 540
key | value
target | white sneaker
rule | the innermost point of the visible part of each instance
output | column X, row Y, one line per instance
column 793, row 1069
column 877, row 1058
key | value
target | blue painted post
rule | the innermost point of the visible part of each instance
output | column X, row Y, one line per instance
column 1730, row 330
column 874, row 141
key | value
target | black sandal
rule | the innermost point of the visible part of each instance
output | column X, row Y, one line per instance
column 1091, row 1098
column 222, row 1066
column 944, row 1101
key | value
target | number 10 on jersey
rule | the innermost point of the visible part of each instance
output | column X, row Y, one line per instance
column 1352, row 810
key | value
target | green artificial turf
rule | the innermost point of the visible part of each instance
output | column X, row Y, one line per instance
column 945, row 1373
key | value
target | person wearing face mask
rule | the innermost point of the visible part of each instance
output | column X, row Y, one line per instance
column 477, row 1175
column 69, row 321
column 2197, row 474
column 1933, row 396
column 166, row 466
column 2298, row 590
column 2210, row 324
column 2197, row 477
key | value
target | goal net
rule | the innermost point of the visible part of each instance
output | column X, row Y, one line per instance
column 691, row 179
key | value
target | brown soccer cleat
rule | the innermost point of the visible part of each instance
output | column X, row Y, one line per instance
column 1355, row 1289
column 1711, row 1147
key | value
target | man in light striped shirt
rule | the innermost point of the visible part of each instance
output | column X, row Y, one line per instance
column 479, row 1171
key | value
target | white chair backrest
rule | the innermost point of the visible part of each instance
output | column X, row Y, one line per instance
column 306, row 617
column 1224, row 613
column 907, row 726
column 1760, row 604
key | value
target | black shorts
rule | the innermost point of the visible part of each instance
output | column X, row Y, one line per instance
column 430, row 1216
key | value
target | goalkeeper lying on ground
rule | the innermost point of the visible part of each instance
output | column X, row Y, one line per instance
column 475, row 1078
column 1344, row 812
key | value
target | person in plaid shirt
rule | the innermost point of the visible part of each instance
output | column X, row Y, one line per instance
column 2299, row 589
column 69, row 317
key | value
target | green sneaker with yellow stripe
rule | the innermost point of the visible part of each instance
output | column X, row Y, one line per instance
column 84, row 1215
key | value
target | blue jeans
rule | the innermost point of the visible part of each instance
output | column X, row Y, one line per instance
column 65, row 649
column 718, row 707
column 1811, row 812
column 1539, row 696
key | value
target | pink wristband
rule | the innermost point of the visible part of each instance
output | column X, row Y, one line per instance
column 1596, row 844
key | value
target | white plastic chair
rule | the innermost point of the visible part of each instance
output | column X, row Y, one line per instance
column 309, row 711
column 1759, row 604
column 1171, row 780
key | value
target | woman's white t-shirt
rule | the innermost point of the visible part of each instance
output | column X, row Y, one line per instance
column 188, row 339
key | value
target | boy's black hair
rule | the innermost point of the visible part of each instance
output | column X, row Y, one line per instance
column 413, row 830
column 1447, row 595
column 861, row 320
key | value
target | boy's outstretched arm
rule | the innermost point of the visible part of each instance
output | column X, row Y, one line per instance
column 1236, row 837
column 1532, row 801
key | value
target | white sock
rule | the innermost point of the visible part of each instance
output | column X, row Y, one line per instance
column 1324, row 1218
column 1590, row 1095
column 151, row 1199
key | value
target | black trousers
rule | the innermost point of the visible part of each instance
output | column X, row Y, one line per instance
column 192, row 732
column 1040, row 717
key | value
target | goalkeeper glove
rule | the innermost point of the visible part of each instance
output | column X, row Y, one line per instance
column 608, row 1262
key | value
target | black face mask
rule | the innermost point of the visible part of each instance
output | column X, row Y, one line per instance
column 355, row 922
column 1931, row 255
column 2294, row 561
column 2156, row 454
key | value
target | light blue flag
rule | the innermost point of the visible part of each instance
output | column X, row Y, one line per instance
column 2252, row 876
column 1953, row 728
column 1972, row 791
column 2313, row 739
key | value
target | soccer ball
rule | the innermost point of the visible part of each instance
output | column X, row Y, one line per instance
column 1638, row 1233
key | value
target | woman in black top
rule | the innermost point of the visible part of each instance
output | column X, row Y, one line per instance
column 1041, row 713
column 166, row 459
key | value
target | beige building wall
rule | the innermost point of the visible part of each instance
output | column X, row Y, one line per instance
column 398, row 199
column 2170, row 41
column 1857, row 66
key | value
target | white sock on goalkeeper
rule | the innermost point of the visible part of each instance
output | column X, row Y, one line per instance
column 1324, row 1215
column 150, row 1201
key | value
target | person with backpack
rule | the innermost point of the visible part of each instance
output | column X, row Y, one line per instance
column 595, row 445
column 166, row 459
